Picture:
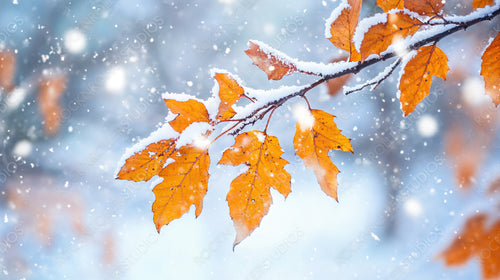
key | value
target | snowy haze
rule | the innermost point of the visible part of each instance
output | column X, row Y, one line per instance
column 399, row 203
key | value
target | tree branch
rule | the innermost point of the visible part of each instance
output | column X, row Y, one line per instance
column 432, row 35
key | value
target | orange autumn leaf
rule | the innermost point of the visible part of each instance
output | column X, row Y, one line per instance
column 476, row 240
column 388, row 5
column 424, row 7
column 184, row 184
column 147, row 163
column 467, row 243
column 343, row 27
column 494, row 186
column 490, row 69
column 7, row 70
column 249, row 197
column 269, row 63
column 189, row 111
column 477, row 4
column 51, row 90
column 314, row 138
column 380, row 36
column 335, row 85
column 416, row 80
column 229, row 93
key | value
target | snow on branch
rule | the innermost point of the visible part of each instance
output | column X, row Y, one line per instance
column 373, row 83
column 274, row 98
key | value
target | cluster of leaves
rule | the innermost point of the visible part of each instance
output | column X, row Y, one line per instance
column 50, row 90
column 480, row 238
column 407, row 31
column 185, row 168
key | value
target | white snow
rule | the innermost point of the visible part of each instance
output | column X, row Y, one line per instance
column 260, row 136
column 399, row 46
column 264, row 97
column 413, row 207
column 303, row 116
column 373, row 82
column 16, row 97
column 194, row 134
column 316, row 68
column 75, row 41
column 473, row 92
column 427, row 126
column 374, row 236
column 333, row 17
column 116, row 80
column 23, row 148
column 364, row 25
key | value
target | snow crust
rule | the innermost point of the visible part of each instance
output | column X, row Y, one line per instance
column 373, row 82
column 194, row 134
column 320, row 69
column 363, row 27
column 404, row 61
column 333, row 17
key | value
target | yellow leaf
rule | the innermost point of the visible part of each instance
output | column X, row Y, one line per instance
column 189, row 111
column 313, row 142
column 184, row 184
column 229, row 93
column 388, row 5
column 477, row 240
column 249, row 197
column 269, row 63
column 477, row 4
column 51, row 90
column 7, row 70
column 343, row 27
column 490, row 70
column 380, row 36
column 424, row 7
column 143, row 165
column 417, row 77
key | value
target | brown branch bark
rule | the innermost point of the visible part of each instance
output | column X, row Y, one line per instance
column 451, row 28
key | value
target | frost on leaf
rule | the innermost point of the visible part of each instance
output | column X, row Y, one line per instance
column 380, row 36
column 388, row 5
column 477, row 4
column 312, row 144
column 425, row 7
column 7, row 70
column 490, row 69
column 189, row 111
column 416, row 79
column 184, row 184
column 249, row 197
column 229, row 93
column 147, row 163
column 51, row 90
column 342, row 28
column 479, row 239
column 274, row 67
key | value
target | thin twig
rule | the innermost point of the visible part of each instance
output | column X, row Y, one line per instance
column 377, row 80
column 253, row 117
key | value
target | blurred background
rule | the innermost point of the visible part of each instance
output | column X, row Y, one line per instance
column 82, row 80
